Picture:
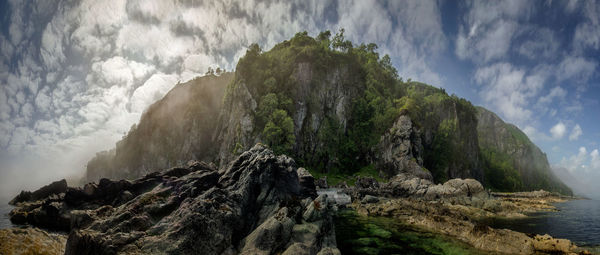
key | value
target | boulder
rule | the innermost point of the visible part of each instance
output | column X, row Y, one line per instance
column 368, row 199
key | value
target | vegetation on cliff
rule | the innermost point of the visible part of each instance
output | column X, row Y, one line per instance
column 327, row 103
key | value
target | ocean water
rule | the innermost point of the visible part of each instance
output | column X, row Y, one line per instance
column 576, row 220
column 5, row 208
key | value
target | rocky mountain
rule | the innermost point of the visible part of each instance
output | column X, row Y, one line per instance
column 261, row 204
column 337, row 109
column 512, row 161
column 175, row 129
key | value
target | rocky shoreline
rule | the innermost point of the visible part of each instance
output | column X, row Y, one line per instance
column 260, row 204
column 459, row 209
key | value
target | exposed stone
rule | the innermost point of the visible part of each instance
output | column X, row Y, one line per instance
column 51, row 189
column 31, row 241
column 368, row 199
column 261, row 204
column 400, row 150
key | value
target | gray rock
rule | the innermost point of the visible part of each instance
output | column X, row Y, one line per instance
column 260, row 204
column 368, row 199
column 400, row 150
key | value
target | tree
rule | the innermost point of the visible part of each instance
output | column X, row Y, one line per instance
column 339, row 42
column 210, row 71
column 279, row 132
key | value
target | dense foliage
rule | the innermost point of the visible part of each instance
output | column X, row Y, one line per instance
column 345, row 144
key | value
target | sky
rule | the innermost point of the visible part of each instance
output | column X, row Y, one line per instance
column 75, row 75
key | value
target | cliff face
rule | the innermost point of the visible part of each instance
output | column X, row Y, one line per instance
column 510, row 155
column 336, row 111
column 314, row 101
column 175, row 129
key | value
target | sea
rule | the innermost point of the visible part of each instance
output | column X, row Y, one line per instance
column 576, row 220
column 5, row 208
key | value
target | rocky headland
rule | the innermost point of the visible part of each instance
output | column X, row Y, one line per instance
column 260, row 204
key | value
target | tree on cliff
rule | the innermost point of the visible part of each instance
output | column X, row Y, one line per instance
column 279, row 132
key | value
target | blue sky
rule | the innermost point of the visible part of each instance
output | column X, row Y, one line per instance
column 76, row 75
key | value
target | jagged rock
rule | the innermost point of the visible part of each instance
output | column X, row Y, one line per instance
column 400, row 150
column 51, row 189
column 260, row 204
column 307, row 181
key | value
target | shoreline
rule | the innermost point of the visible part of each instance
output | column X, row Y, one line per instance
column 466, row 223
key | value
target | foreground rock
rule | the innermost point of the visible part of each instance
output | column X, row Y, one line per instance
column 31, row 241
column 261, row 204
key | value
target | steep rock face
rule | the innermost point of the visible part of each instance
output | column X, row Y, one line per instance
column 401, row 151
column 175, row 129
column 261, row 204
column 316, row 98
column 527, row 159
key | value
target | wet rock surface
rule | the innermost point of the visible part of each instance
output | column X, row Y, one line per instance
column 260, row 204
column 458, row 209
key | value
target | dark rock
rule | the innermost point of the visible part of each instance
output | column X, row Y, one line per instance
column 322, row 183
column 307, row 183
column 366, row 183
column 44, row 192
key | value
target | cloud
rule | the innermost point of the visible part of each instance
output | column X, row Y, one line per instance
column 75, row 76
column 558, row 130
column 576, row 133
column 488, row 29
column 510, row 89
column 575, row 162
column 587, row 33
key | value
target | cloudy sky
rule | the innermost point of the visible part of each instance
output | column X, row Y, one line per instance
column 75, row 75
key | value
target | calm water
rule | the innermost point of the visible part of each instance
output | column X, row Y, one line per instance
column 577, row 220
column 4, row 210
column 358, row 234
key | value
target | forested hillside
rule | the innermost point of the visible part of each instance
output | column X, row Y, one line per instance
column 339, row 110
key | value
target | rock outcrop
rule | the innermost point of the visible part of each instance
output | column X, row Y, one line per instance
column 531, row 163
column 400, row 150
column 460, row 191
column 177, row 128
column 260, row 204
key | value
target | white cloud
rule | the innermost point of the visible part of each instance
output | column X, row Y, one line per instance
column 153, row 89
column 558, row 130
column 587, row 33
column 577, row 68
column 509, row 89
column 489, row 28
column 576, row 133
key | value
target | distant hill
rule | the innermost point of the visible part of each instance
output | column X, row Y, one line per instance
column 337, row 109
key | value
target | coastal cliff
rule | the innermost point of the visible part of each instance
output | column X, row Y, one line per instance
column 339, row 110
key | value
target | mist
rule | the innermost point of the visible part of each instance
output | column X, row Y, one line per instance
column 34, row 169
column 583, row 183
